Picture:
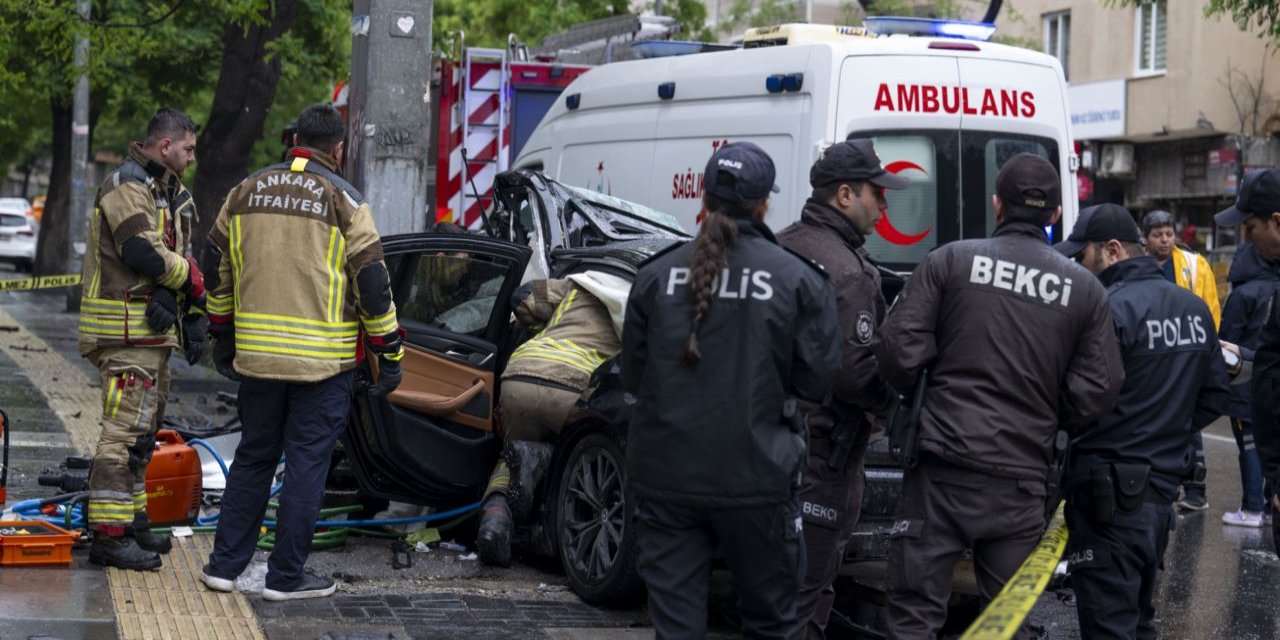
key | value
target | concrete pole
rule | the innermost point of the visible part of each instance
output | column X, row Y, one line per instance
column 78, row 214
column 390, row 112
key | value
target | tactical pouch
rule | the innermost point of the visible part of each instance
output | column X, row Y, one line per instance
column 1103, row 493
column 1131, row 484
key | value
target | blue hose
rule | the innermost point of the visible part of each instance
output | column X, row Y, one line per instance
column 373, row 522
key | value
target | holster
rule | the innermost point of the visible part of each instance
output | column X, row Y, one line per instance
column 1131, row 484
column 1102, row 493
column 1053, row 484
column 903, row 425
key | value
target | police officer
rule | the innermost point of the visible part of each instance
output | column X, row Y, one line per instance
column 720, row 333
column 1258, row 209
column 295, row 275
column 848, row 197
column 137, row 281
column 1016, row 342
column 1124, row 470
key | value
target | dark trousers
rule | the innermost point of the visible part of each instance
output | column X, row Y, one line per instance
column 946, row 510
column 1252, row 499
column 829, row 503
column 302, row 421
column 1189, row 486
column 1113, row 567
column 762, row 546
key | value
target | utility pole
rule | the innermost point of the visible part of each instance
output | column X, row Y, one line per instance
column 390, row 111
column 77, row 216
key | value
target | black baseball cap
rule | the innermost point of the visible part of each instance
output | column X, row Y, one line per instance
column 1259, row 195
column 749, row 166
column 853, row 160
column 1029, row 181
column 1100, row 223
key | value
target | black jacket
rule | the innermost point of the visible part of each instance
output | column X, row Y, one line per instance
column 827, row 237
column 1175, row 380
column 715, row 435
column 1018, row 341
column 1253, row 282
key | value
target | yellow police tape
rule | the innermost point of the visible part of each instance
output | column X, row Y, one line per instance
column 42, row 282
column 1003, row 617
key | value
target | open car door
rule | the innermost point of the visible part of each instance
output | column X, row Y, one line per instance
column 432, row 441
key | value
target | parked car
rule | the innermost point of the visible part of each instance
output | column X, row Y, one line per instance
column 432, row 441
column 17, row 233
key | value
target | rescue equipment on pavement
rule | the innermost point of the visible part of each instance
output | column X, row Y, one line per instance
column 27, row 542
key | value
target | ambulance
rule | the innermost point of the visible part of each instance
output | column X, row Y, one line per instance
column 945, row 107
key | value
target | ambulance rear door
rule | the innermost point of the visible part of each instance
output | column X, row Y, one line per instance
column 897, row 100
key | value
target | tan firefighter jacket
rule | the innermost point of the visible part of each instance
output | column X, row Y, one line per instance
column 140, row 198
column 289, row 246
column 576, row 332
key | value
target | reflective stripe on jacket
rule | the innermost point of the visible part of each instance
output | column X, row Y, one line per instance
column 140, row 198
column 576, row 337
column 291, row 240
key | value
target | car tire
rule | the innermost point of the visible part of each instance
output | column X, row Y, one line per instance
column 598, row 552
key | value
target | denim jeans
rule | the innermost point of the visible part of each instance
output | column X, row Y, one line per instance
column 1250, row 466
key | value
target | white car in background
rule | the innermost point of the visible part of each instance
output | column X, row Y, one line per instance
column 17, row 233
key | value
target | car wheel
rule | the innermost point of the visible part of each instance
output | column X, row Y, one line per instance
column 597, row 545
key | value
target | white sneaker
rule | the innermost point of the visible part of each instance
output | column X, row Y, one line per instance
column 1242, row 518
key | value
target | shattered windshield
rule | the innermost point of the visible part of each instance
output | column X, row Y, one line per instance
column 626, row 218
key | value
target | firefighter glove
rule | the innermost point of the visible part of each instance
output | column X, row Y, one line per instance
column 162, row 310
column 195, row 282
column 224, row 350
column 195, row 336
column 389, row 375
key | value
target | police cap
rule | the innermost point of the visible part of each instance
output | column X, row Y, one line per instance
column 1029, row 181
column 1259, row 196
column 853, row 160
column 750, row 168
column 1100, row 223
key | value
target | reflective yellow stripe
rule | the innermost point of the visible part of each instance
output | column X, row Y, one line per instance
column 394, row 357
column 178, row 277
column 564, row 306
column 287, row 320
column 96, row 283
column 112, row 305
column 344, row 345
column 237, row 260
column 218, row 304
column 558, row 357
column 294, row 351
column 344, row 334
column 381, row 325
column 299, row 164
column 541, row 352
column 337, row 245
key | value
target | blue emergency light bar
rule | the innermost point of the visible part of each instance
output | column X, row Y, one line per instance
column 894, row 25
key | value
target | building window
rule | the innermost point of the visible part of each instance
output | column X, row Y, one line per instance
column 1152, row 22
column 1057, row 37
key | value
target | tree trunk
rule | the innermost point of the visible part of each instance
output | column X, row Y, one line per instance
column 52, row 245
column 246, row 89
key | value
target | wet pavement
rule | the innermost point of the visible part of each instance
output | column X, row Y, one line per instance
column 1220, row 582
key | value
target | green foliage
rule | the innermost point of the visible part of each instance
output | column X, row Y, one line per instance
column 760, row 13
column 1263, row 15
column 1013, row 16
column 488, row 22
column 692, row 17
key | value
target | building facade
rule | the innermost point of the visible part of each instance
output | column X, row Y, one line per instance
column 1168, row 106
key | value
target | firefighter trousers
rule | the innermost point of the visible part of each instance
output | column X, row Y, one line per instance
column 946, row 510
column 530, row 411
column 135, row 385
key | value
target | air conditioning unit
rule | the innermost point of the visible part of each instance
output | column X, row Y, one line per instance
column 1116, row 161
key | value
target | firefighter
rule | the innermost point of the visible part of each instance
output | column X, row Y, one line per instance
column 296, row 276
column 848, row 197
column 1017, row 342
column 721, row 335
column 579, row 325
column 1124, row 470
column 139, row 286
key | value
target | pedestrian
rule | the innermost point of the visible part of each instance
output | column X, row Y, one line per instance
column 1124, row 470
column 721, row 334
column 1015, row 343
column 1189, row 270
column 1253, row 282
column 1258, row 209
column 578, row 320
column 296, row 274
column 848, row 198
column 140, row 286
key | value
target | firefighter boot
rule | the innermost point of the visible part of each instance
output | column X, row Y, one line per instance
column 528, row 462
column 148, row 539
column 494, row 538
column 123, row 552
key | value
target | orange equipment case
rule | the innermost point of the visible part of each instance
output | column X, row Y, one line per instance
column 174, row 483
column 29, row 542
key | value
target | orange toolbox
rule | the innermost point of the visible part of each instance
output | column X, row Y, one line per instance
column 29, row 542
column 174, row 481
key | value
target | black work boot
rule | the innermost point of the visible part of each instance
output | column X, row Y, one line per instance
column 122, row 552
column 528, row 462
column 494, row 539
column 147, row 539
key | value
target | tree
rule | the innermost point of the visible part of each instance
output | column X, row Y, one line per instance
column 487, row 23
column 1247, row 14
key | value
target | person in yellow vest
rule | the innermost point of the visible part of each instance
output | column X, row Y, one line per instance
column 579, row 325
column 1191, row 271
column 139, row 290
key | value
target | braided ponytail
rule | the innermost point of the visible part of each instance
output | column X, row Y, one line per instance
column 710, row 256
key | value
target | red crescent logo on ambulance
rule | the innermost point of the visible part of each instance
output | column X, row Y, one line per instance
column 885, row 228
